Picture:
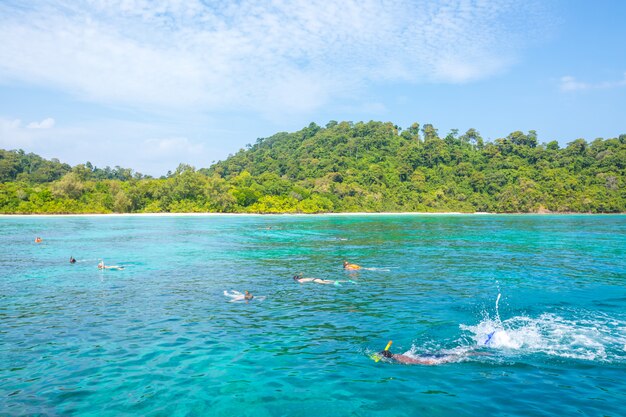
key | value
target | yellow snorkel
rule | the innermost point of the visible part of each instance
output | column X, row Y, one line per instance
column 376, row 357
column 388, row 345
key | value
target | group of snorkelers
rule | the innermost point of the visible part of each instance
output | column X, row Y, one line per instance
column 101, row 264
column 435, row 359
column 300, row 279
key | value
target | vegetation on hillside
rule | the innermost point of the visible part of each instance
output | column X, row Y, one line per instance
column 344, row 167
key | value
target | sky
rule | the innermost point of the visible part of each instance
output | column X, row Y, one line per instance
column 150, row 84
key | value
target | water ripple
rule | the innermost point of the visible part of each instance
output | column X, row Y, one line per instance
column 159, row 337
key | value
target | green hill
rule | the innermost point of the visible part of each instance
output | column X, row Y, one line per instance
column 376, row 167
column 343, row 167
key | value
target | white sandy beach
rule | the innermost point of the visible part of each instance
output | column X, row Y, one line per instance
column 452, row 213
column 244, row 214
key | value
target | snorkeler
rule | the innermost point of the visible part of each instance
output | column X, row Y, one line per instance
column 408, row 360
column 237, row 296
column 434, row 359
column 349, row 266
column 101, row 265
column 301, row 280
column 72, row 260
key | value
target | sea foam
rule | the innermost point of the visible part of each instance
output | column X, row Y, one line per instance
column 595, row 337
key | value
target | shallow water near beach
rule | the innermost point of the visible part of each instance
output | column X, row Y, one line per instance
column 160, row 338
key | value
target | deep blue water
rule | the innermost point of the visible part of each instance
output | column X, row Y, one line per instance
column 160, row 338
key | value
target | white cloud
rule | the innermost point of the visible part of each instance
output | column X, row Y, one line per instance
column 171, row 147
column 569, row 83
column 265, row 55
column 9, row 125
column 14, row 135
column 33, row 136
column 47, row 123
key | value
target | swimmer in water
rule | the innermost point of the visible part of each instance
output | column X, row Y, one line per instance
column 38, row 239
column 301, row 280
column 350, row 267
column 101, row 265
column 436, row 359
column 247, row 297
column 72, row 260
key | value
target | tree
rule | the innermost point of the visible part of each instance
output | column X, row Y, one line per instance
column 429, row 132
column 70, row 186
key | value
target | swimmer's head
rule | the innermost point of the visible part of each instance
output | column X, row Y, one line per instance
column 386, row 354
column 296, row 277
column 345, row 263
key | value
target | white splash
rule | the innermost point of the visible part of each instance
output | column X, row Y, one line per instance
column 595, row 338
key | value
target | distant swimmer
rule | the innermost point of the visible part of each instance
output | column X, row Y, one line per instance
column 354, row 267
column 349, row 266
column 301, row 280
column 101, row 265
column 38, row 239
column 237, row 296
column 72, row 260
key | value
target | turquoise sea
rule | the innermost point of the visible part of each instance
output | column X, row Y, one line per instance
column 160, row 338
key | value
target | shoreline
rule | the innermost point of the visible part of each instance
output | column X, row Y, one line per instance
column 408, row 213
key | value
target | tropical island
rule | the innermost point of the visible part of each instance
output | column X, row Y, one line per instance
column 342, row 167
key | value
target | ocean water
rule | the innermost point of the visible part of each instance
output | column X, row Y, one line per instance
column 160, row 338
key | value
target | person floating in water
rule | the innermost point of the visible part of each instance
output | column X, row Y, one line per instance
column 434, row 359
column 72, row 260
column 352, row 267
column 420, row 360
column 301, row 280
column 101, row 265
column 38, row 239
column 247, row 297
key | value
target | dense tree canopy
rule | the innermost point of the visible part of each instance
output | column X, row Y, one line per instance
column 344, row 167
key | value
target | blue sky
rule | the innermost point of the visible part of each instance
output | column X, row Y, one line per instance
column 150, row 84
